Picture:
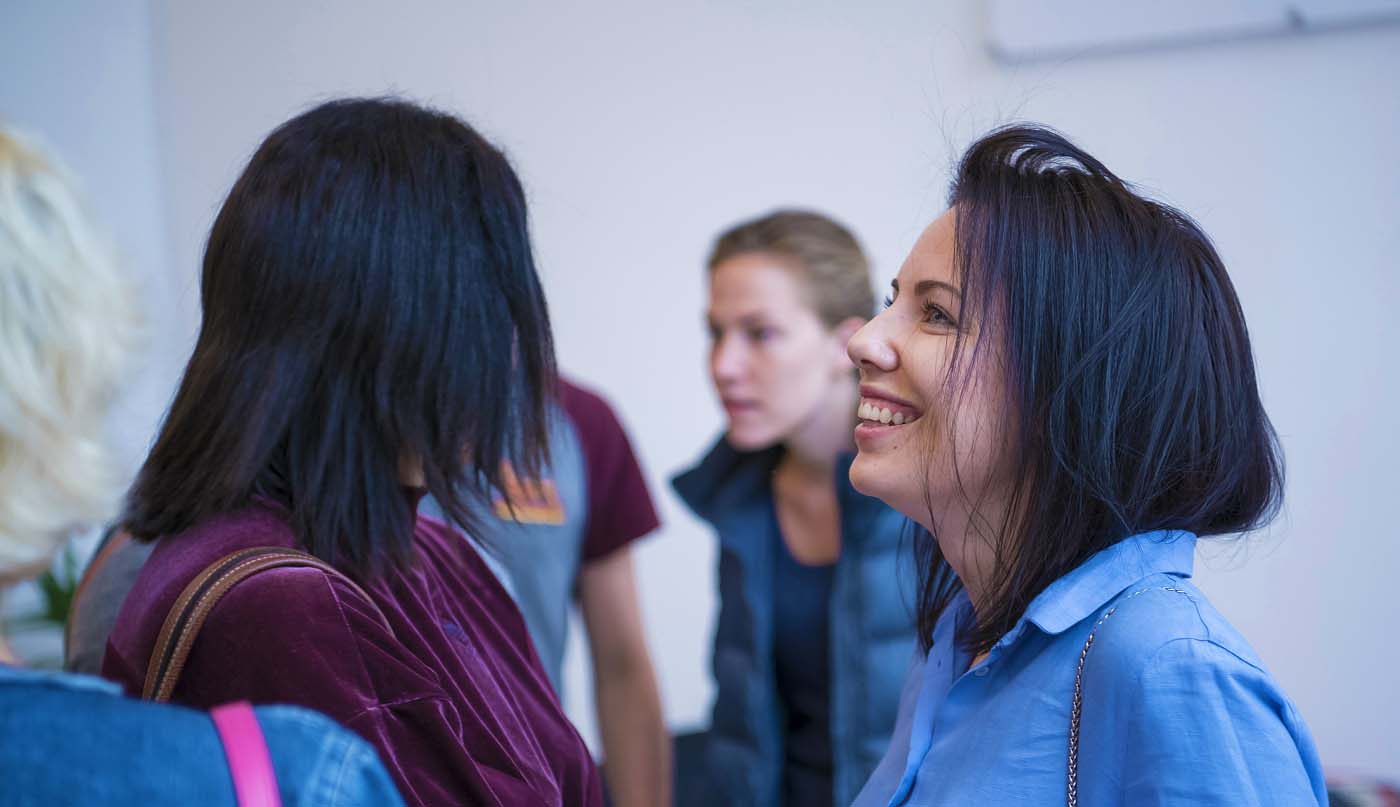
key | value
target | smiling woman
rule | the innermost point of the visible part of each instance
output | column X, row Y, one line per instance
column 923, row 358
column 1079, row 405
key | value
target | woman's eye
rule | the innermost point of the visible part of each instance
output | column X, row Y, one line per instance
column 760, row 334
column 935, row 315
column 889, row 301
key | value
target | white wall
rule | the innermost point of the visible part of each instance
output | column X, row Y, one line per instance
column 78, row 76
column 640, row 131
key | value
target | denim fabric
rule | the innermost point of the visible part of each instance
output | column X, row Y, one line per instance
column 73, row 739
column 1177, row 709
column 871, row 624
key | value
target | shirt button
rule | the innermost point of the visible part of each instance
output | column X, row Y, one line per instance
column 981, row 672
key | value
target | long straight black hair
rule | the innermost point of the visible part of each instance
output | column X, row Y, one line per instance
column 370, row 300
column 1131, row 401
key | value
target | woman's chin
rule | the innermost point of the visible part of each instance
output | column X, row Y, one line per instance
column 866, row 476
column 877, row 479
column 750, row 438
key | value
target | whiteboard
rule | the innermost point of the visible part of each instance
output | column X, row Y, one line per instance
column 1020, row 30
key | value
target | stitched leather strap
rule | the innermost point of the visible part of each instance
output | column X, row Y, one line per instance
column 192, row 607
column 250, row 765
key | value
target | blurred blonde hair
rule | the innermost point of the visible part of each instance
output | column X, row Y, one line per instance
column 68, row 321
column 825, row 254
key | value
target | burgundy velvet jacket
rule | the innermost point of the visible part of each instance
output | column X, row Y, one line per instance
column 454, row 700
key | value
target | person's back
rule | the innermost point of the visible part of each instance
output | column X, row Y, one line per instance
column 373, row 329
column 68, row 321
column 450, row 686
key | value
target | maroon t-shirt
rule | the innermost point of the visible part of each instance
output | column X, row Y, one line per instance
column 454, row 699
column 620, row 509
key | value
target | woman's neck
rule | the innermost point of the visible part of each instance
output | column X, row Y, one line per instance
column 967, row 537
column 812, row 450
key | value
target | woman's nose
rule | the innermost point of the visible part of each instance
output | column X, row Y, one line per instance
column 871, row 349
column 726, row 359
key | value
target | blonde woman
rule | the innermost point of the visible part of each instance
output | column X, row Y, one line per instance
column 808, row 647
column 68, row 321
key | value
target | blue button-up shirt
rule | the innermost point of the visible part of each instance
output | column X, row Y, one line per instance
column 1177, row 709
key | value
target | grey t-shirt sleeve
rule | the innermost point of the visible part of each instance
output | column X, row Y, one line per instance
column 98, row 599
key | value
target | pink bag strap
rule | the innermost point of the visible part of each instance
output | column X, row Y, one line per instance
column 254, row 782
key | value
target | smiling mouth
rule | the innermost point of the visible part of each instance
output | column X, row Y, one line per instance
column 884, row 413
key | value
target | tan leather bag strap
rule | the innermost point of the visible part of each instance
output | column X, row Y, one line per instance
column 192, row 607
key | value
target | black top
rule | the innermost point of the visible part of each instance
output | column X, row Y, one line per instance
column 801, row 605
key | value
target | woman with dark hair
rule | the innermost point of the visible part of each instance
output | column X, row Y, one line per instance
column 373, row 329
column 1078, row 405
column 70, row 324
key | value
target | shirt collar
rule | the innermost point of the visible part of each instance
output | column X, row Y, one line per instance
column 727, row 477
column 1077, row 595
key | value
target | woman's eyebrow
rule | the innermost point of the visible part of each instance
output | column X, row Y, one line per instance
column 925, row 286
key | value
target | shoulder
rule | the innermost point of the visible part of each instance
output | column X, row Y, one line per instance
column 331, row 612
column 576, row 397
column 726, row 479
column 178, row 559
column 588, row 410
column 173, row 563
column 132, row 752
column 67, row 701
column 1162, row 617
column 1165, row 647
column 1193, row 705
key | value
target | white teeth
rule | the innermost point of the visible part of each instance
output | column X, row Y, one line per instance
column 876, row 414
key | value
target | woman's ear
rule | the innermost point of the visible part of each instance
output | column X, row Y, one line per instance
column 840, row 336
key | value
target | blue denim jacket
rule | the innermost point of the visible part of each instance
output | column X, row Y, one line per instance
column 74, row 739
column 871, row 625
column 1177, row 709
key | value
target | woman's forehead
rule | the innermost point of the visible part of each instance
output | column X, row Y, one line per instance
column 754, row 283
column 932, row 255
